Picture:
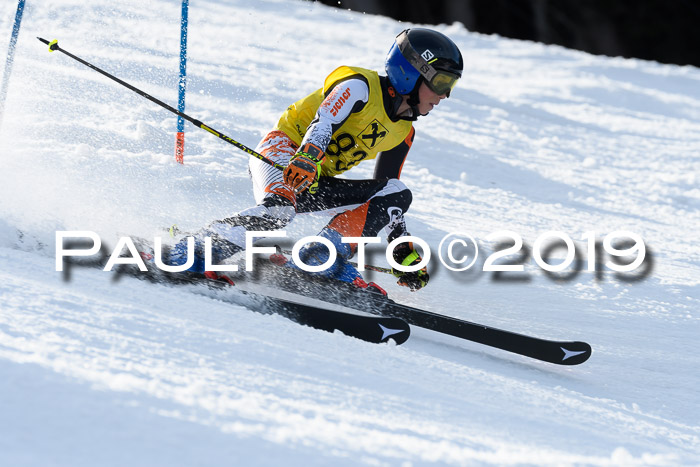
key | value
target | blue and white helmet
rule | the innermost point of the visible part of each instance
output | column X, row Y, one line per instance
column 425, row 53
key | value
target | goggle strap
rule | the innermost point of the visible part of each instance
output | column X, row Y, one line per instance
column 414, row 58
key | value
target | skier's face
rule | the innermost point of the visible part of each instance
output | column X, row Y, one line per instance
column 427, row 99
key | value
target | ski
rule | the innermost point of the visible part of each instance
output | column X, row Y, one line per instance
column 373, row 303
column 551, row 351
column 558, row 352
column 374, row 329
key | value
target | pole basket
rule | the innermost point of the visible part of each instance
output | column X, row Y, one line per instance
column 180, row 147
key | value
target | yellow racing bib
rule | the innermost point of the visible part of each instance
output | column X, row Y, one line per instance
column 363, row 135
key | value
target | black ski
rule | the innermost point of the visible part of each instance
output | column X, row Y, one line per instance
column 375, row 329
column 552, row 351
column 557, row 352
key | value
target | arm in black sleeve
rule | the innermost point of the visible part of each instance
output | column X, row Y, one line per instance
column 389, row 163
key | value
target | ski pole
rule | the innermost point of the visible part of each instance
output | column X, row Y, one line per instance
column 53, row 46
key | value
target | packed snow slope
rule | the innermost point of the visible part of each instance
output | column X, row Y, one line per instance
column 533, row 139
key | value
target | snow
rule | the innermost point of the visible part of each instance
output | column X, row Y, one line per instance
column 534, row 138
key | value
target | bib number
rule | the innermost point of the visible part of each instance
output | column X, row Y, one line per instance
column 339, row 150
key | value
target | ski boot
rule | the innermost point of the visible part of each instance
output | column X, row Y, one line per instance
column 220, row 250
column 316, row 254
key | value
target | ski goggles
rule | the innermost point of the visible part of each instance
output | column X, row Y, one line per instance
column 439, row 81
column 443, row 82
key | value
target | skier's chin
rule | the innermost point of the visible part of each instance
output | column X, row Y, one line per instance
column 430, row 107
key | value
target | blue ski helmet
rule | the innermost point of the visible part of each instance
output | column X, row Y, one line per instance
column 420, row 52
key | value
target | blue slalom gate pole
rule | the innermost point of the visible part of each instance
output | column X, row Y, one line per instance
column 182, row 84
column 10, row 58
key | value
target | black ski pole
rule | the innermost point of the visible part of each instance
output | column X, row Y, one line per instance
column 53, row 46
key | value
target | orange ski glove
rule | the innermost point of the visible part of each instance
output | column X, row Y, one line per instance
column 302, row 172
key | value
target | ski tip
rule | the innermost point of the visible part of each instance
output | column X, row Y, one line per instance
column 394, row 329
column 575, row 353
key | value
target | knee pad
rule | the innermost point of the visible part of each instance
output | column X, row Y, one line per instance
column 271, row 215
column 398, row 192
column 266, row 216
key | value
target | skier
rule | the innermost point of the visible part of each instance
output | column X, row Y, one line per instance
column 356, row 116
